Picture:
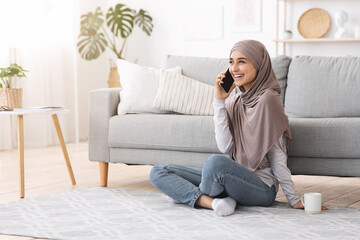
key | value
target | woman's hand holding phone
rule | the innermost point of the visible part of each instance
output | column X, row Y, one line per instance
column 219, row 92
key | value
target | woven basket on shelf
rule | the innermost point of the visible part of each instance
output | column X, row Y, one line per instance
column 11, row 97
column 314, row 23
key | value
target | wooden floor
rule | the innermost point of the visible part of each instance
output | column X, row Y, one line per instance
column 46, row 173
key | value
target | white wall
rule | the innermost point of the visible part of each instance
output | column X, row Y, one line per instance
column 167, row 38
column 44, row 42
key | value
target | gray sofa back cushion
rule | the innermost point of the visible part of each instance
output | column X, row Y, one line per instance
column 199, row 68
column 206, row 69
column 323, row 87
column 280, row 66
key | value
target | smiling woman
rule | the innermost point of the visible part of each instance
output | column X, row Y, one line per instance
column 242, row 70
column 43, row 40
column 251, row 130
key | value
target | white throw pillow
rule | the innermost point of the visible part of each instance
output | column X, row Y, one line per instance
column 184, row 95
column 139, row 86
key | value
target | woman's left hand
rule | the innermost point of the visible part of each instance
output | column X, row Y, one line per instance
column 299, row 205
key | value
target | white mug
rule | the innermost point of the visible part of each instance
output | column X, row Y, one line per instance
column 312, row 202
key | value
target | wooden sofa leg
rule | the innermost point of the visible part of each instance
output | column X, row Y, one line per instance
column 104, row 166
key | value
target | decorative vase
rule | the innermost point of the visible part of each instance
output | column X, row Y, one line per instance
column 11, row 97
column 114, row 77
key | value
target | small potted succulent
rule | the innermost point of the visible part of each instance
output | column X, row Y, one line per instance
column 11, row 97
column 287, row 34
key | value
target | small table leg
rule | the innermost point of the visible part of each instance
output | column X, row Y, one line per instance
column 63, row 147
column 20, row 131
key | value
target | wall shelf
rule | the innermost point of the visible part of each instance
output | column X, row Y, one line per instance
column 283, row 42
column 317, row 40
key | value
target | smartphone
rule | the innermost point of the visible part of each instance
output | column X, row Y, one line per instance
column 227, row 81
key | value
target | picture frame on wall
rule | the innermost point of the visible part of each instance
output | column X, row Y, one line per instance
column 245, row 15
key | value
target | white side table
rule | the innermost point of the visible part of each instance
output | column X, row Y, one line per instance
column 20, row 112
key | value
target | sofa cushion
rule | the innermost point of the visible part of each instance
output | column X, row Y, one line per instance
column 156, row 156
column 323, row 87
column 139, row 86
column 280, row 66
column 185, row 95
column 325, row 137
column 345, row 167
column 200, row 68
column 163, row 131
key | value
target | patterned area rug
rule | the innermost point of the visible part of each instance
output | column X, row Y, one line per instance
column 102, row 213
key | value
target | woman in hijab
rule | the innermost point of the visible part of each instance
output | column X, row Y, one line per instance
column 252, row 128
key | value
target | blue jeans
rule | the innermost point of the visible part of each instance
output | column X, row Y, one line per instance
column 219, row 177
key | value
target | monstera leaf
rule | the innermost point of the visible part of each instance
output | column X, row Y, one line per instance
column 94, row 37
column 144, row 21
column 92, row 20
column 91, row 41
column 91, row 44
column 120, row 21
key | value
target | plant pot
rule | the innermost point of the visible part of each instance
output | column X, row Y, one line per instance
column 114, row 78
column 11, row 97
column 287, row 35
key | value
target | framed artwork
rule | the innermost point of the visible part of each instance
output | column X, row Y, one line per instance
column 203, row 22
column 245, row 15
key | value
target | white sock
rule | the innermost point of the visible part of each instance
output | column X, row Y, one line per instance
column 172, row 200
column 224, row 206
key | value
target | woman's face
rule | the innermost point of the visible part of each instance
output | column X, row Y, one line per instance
column 241, row 70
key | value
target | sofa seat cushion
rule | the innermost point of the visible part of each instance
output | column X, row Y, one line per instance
column 163, row 131
column 325, row 137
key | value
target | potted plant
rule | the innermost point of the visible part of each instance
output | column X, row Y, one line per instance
column 287, row 34
column 119, row 22
column 10, row 96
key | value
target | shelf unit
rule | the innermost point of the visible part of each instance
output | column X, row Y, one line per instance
column 301, row 40
column 317, row 40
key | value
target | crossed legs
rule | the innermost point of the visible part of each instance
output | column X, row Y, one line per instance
column 220, row 178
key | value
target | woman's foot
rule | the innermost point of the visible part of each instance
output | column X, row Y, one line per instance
column 224, row 206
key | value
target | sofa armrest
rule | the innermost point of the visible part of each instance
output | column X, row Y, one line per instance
column 102, row 106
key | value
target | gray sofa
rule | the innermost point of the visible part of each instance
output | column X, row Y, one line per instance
column 321, row 96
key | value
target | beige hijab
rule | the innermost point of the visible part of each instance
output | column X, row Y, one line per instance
column 256, row 117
